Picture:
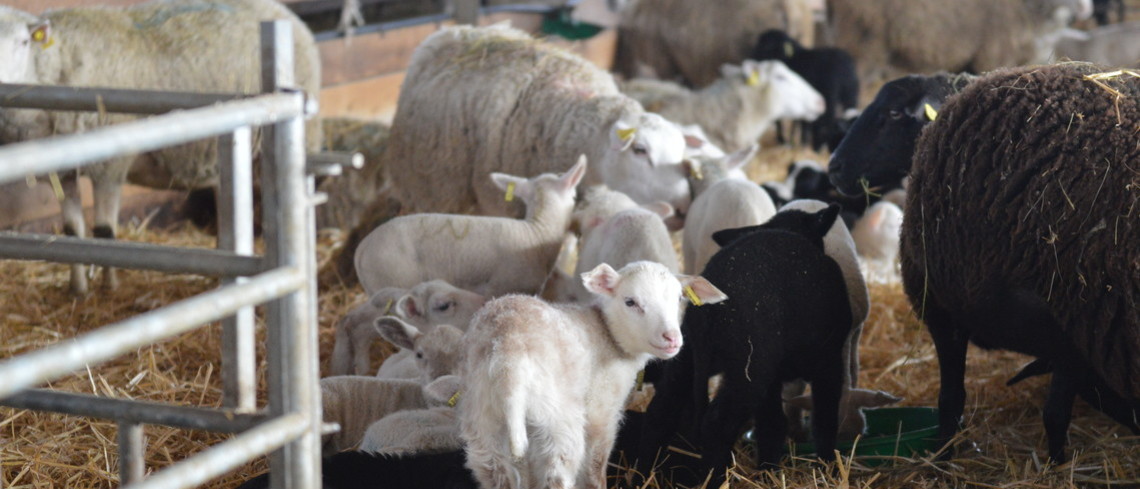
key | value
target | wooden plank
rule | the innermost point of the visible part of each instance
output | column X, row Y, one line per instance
column 35, row 209
column 374, row 98
column 370, row 55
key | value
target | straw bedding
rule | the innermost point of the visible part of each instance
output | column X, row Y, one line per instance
column 1003, row 444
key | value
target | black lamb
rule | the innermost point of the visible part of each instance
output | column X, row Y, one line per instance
column 360, row 470
column 1020, row 235
column 877, row 151
column 831, row 71
column 787, row 318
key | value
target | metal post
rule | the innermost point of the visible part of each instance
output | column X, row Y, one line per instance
column 291, row 341
column 235, row 233
column 132, row 449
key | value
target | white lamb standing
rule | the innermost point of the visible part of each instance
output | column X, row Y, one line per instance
column 488, row 255
column 424, row 306
column 736, row 109
column 546, row 383
column 876, row 236
column 156, row 45
column 488, row 99
column 839, row 245
column 431, row 430
column 727, row 203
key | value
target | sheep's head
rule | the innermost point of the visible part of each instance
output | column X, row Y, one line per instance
column 641, row 305
column 545, row 191
column 21, row 36
column 644, row 161
column 437, row 351
column 438, row 302
column 774, row 88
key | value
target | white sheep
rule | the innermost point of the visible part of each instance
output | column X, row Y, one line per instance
column 157, row 45
column 431, row 430
column 546, row 383
column 478, row 100
column 426, row 305
column 423, row 356
column 876, row 236
column 840, row 246
column 485, row 254
column 739, row 107
column 356, row 401
column 727, row 203
column 1110, row 45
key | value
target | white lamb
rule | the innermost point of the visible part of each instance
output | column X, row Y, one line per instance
column 488, row 255
column 426, row 305
column 736, row 109
column 423, row 356
column 839, row 245
column 431, row 430
column 728, row 203
column 876, row 237
column 546, row 383
column 356, row 401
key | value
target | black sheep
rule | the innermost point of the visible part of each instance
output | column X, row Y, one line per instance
column 1101, row 9
column 808, row 180
column 1019, row 235
column 877, row 150
column 787, row 318
column 360, row 470
column 831, row 71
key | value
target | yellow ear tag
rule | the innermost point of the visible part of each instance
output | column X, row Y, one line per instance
column 640, row 379
column 754, row 79
column 692, row 295
column 387, row 308
column 451, row 402
column 695, row 171
column 931, row 114
column 626, row 134
column 789, row 50
column 40, row 36
column 510, row 192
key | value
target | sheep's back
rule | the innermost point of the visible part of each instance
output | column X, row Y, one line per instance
column 1028, row 180
column 477, row 100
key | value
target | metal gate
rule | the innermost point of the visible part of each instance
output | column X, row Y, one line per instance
column 282, row 278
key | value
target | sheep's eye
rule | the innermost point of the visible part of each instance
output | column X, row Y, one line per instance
column 640, row 150
column 630, row 303
column 420, row 355
column 444, row 307
column 895, row 114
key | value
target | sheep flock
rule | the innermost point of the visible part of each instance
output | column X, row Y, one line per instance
column 557, row 274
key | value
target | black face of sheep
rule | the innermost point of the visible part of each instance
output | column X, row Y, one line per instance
column 786, row 318
column 877, row 150
column 1021, row 240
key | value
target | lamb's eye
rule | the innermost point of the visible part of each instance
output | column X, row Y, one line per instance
column 640, row 150
column 444, row 307
column 895, row 114
column 630, row 303
column 419, row 354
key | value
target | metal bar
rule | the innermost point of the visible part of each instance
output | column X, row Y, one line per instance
column 332, row 163
column 50, row 363
column 122, row 410
column 228, row 455
column 100, row 99
column 235, row 234
column 125, row 254
column 63, row 153
column 132, row 453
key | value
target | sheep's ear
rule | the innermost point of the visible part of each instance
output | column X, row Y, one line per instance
column 385, row 299
column 397, row 331
column 622, row 135
column 575, row 174
column 699, row 287
column 443, row 389
column 660, row 208
column 602, row 280
column 741, row 157
column 407, row 307
column 726, row 236
column 865, row 398
column 513, row 186
column 826, row 217
column 925, row 110
column 41, row 33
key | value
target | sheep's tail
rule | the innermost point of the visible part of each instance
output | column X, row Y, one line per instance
column 515, row 411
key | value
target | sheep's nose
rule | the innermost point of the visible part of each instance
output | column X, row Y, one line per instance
column 674, row 339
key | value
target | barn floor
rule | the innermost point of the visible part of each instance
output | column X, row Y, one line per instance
column 1003, row 445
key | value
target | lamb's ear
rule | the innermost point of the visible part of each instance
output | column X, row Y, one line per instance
column 407, row 307
column 926, row 110
column 726, row 236
column 660, row 208
column 574, row 175
column 443, row 389
column 622, row 135
column 41, row 33
column 602, row 280
column 866, row 398
column 697, row 286
column 741, row 157
column 397, row 331
column 513, row 186
column 826, row 217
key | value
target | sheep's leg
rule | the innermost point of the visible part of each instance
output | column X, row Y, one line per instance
column 725, row 418
column 664, row 413
column 950, row 344
column 794, row 414
column 1095, row 392
column 563, row 448
column 826, row 389
column 491, row 468
column 600, row 443
column 71, row 207
column 770, row 428
column 108, row 195
column 1058, row 412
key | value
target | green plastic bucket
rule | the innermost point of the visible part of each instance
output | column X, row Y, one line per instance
column 891, row 432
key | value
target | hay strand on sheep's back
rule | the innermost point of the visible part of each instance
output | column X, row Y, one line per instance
column 1003, row 443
